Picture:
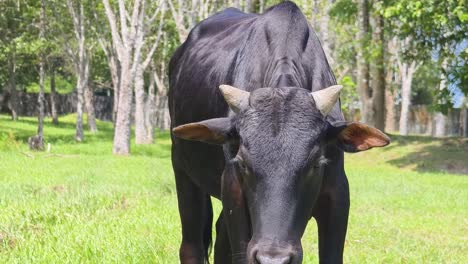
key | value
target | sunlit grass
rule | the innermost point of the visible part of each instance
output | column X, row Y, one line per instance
column 80, row 204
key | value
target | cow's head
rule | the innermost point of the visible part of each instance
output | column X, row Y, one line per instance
column 280, row 136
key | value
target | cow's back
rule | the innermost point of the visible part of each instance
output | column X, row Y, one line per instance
column 247, row 51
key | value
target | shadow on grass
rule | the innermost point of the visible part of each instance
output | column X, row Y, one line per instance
column 427, row 154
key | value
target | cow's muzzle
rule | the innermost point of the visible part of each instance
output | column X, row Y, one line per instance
column 272, row 253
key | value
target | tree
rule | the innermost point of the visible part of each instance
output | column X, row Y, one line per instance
column 439, row 117
column 128, row 43
column 37, row 142
column 162, row 118
column 53, row 94
column 433, row 27
column 80, row 60
column 407, row 68
column 18, row 48
column 363, row 75
column 391, row 82
column 104, row 38
column 140, row 65
column 376, row 116
column 123, row 45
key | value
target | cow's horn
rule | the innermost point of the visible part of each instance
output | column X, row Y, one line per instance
column 326, row 98
column 237, row 99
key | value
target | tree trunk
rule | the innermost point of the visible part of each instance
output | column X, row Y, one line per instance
column 89, row 102
column 315, row 15
column 37, row 142
column 114, row 69
column 13, row 100
column 79, row 136
column 405, row 103
column 40, row 98
column 324, row 32
column 116, row 85
column 81, row 63
column 140, row 102
column 362, row 63
column 406, row 72
column 439, row 117
column 193, row 15
column 178, row 18
column 53, row 95
column 123, row 49
column 123, row 125
column 439, row 121
column 261, row 6
column 237, row 4
column 82, row 84
column 151, row 108
column 390, row 111
column 163, row 118
column 251, row 6
column 378, row 75
column 129, row 40
column 162, row 113
column 463, row 117
column 430, row 122
column 390, row 115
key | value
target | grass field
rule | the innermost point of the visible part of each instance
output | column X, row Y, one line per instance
column 80, row 204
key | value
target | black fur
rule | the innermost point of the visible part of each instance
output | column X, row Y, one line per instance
column 271, row 178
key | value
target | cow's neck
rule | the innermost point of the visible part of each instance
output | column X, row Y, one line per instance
column 284, row 72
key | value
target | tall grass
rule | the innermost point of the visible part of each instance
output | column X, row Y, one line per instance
column 80, row 204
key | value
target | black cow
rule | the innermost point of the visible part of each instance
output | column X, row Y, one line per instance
column 273, row 156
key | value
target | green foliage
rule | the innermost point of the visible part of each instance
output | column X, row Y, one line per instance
column 442, row 102
column 426, row 81
column 349, row 94
column 80, row 204
column 344, row 11
column 19, row 41
column 433, row 26
column 459, row 69
column 63, row 86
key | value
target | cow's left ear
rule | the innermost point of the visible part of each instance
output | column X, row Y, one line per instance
column 213, row 131
column 355, row 136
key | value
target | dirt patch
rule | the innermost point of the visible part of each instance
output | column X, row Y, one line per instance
column 122, row 203
column 7, row 241
column 59, row 188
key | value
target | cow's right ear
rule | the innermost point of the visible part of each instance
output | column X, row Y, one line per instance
column 213, row 131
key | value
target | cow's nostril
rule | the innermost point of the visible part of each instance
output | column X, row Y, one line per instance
column 269, row 259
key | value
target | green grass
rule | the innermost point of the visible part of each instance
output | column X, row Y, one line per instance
column 80, row 204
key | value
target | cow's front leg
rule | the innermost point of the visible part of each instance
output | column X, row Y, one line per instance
column 195, row 215
column 222, row 252
column 331, row 214
column 235, row 216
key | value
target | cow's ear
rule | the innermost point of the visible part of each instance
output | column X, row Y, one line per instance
column 213, row 131
column 355, row 136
